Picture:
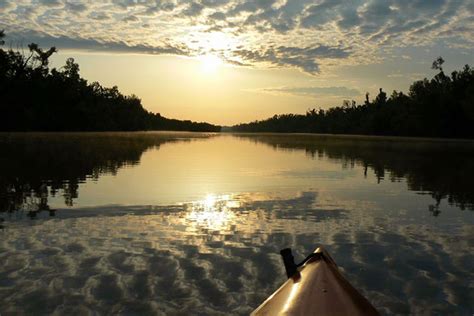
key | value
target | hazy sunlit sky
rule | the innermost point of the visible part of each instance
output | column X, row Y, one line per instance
column 230, row 61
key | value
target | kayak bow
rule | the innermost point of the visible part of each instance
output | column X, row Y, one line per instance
column 315, row 288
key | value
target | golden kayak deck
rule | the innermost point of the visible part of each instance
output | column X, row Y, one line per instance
column 318, row 288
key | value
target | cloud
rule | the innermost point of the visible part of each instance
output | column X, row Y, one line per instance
column 5, row 4
column 353, row 32
column 158, row 7
column 131, row 18
column 194, row 9
column 215, row 3
column 217, row 16
column 314, row 91
column 68, row 43
column 290, row 56
column 75, row 7
column 251, row 6
column 319, row 14
column 349, row 18
column 51, row 3
column 99, row 16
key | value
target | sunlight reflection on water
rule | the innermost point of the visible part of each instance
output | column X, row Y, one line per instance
column 213, row 213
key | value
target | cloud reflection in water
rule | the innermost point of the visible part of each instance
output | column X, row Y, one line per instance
column 220, row 256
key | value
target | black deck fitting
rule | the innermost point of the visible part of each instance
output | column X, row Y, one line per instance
column 289, row 261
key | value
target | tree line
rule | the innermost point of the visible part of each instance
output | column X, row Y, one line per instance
column 440, row 107
column 34, row 97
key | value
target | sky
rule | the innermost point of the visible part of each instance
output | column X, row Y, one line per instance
column 231, row 61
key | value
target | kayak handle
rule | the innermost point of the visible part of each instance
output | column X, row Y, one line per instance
column 289, row 261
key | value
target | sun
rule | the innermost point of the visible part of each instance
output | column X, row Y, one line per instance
column 210, row 63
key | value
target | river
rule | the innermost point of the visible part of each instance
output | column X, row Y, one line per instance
column 192, row 223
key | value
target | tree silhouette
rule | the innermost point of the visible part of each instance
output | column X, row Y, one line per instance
column 36, row 98
column 440, row 107
column 438, row 63
column 381, row 97
column 39, row 55
column 71, row 70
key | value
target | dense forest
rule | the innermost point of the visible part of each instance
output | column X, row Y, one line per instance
column 36, row 98
column 440, row 107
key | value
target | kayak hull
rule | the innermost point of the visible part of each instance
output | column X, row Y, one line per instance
column 318, row 288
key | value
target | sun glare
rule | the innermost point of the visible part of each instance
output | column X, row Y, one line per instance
column 209, row 201
column 210, row 63
column 213, row 212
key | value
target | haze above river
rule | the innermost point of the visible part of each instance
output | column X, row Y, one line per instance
column 187, row 223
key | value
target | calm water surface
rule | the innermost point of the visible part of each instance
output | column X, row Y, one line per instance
column 184, row 223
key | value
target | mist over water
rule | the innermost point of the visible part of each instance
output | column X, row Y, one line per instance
column 187, row 223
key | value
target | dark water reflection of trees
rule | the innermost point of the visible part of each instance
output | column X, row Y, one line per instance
column 36, row 166
column 444, row 169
